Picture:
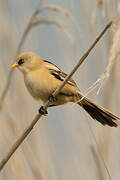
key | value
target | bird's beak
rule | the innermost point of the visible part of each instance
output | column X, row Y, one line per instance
column 15, row 65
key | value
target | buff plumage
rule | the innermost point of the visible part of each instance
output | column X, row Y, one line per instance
column 42, row 78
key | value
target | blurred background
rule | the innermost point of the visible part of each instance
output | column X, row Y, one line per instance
column 67, row 144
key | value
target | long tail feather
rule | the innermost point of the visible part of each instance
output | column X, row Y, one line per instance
column 99, row 113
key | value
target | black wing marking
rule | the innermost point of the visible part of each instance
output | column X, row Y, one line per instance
column 51, row 63
column 66, row 94
column 61, row 76
column 58, row 74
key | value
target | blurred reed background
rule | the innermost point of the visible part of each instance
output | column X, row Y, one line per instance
column 67, row 144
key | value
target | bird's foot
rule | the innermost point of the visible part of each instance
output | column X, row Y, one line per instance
column 52, row 98
column 43, row 111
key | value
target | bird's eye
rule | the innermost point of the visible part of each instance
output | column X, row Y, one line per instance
column 21, row 61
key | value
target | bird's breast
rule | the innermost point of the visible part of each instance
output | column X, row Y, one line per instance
column 37, row 85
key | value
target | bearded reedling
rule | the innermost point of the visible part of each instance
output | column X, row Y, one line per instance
column 42, row 78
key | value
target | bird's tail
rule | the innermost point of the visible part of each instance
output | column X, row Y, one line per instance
column 99, row 113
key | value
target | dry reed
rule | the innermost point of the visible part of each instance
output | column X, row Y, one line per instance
column 35, row 21
column 38, row 116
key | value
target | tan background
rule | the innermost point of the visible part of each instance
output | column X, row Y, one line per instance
column 67, row 144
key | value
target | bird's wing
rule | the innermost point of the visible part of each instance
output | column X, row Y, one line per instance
column 57, row 73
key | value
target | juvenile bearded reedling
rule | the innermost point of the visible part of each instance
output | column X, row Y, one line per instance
column 42, row 78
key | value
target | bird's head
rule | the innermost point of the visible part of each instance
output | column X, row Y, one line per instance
column 27, row 61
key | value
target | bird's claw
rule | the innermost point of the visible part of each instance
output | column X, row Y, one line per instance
column 52, row 98
column 43, row 111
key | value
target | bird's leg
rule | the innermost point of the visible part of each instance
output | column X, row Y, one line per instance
column 52, row 98
column 43, row 111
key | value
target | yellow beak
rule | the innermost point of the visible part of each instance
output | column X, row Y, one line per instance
column 15, row 65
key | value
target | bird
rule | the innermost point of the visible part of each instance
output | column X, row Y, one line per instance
column 42, row 78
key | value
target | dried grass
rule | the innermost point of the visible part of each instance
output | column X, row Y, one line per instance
column 11, row 127
column 35, row 21
column 57, row 91
column 99, row 5
column 114, row 53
